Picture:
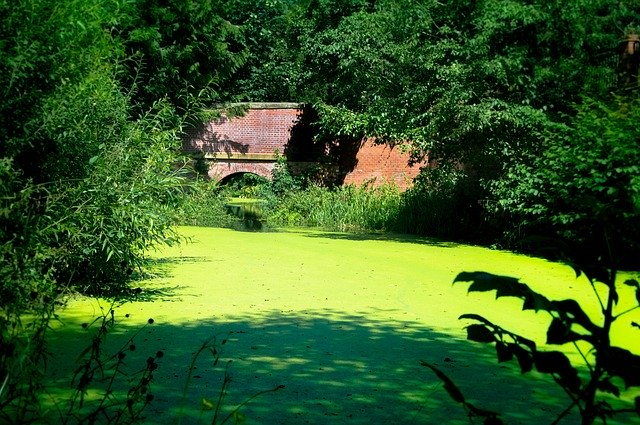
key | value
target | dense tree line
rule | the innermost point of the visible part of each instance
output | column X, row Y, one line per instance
column 501, row 95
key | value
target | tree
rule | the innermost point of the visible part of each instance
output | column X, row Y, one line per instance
column 182, row 50
column 585, row 184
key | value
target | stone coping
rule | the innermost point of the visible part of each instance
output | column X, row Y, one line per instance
column 261, row 105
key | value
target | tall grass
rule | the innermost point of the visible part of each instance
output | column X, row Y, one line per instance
column 204, row 205
column 347, row 208
column 449, row 211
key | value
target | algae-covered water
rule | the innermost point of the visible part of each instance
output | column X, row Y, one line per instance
column 341, row 320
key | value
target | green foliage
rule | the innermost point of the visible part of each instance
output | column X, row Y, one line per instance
column 103, row 225
column 472, row 83
column 100, row 373
column 183, row 50
column 347, row 208
column 282, row 180
column 443, row 203
column 204, row 205
column 587, row 174
column 608, row 368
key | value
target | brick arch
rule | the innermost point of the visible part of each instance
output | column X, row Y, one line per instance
column 222, row 170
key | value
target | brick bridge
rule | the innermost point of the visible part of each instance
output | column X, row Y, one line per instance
column 225, row 147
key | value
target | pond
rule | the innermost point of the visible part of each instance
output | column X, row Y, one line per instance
column 342, row 321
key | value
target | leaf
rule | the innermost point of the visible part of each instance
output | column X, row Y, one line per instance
column 525, row 358
column 558, row 332
column 571, row 310
column 505, row 286
column 632, row 282
column 551, row 362
column 503, row 352
column 480, row 412
column 449, row 386
column 623, row 363
column 480, row 333
column 555, row 362
column 607, row 387
column 476, row 317
column 93, row 159
column 636, row 404
column 206, row 404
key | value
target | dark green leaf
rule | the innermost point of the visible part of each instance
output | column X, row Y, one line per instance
column 637, row 405
column 623, row 363
column 558, row 332
column 449, row 386
column 480, row 333
column 524, row 341
column 570, row 310
column 525, row 358
column 551, row 362
column 478, row 318
column 485, row 281
column 504, row 286
column 607, row 387
column 504, row 352
column 557, row 363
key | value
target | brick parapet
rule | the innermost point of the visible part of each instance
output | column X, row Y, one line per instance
column 247, row 144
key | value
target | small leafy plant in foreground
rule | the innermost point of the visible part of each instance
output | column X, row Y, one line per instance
column 607, row 368
column 98, row 369
column 212, row 347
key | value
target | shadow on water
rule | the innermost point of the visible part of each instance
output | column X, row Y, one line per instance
column 155, row 268
column 387, row 237
column 335, row 368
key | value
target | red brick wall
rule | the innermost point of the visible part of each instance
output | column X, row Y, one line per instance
column 260, row 131
column 379, row 164
column 221, row 169
column 266, row 128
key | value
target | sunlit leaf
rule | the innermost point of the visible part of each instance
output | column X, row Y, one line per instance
column 206, row 404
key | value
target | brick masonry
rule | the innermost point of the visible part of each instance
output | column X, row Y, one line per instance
column 248, row 144
column 380, row 164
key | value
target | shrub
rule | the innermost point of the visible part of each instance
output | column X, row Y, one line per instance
column 204, row 205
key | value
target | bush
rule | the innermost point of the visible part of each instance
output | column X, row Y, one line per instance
column 204, row 205
column 587, row 177
column 347, row 208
